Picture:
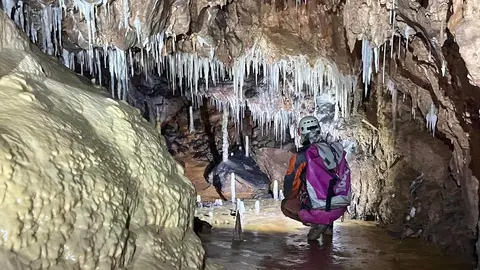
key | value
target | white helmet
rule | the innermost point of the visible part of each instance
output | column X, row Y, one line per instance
column 308, row 124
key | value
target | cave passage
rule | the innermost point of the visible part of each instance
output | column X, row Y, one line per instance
column 195, row 134
column 272, row 241
column 88, row 89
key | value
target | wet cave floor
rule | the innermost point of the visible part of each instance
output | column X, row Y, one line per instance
column 272, row 241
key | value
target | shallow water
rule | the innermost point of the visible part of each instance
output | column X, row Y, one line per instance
column 273, row 242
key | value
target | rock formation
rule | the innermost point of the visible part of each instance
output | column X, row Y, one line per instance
column 86, row 182
column 401, row 78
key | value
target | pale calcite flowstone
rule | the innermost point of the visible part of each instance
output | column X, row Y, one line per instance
column 85, row 182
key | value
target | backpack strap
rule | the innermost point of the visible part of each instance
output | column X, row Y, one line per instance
column 302, row 157
column 330, row 193
column 289, row 179
column 303, row 194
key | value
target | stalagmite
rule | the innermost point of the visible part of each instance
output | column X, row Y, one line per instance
column 281, row 196
column 190, row 113
column 199, row 201
column 239, row 215
column 232, row 186
column 275, row 190
column 257, row 206
column 241, row 207
column 218, row 202
column 237, row 204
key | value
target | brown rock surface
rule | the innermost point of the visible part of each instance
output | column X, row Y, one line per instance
column 194, row 170
column 274, row 162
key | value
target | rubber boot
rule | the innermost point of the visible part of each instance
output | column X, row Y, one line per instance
column 316, row 231
column 329, row 230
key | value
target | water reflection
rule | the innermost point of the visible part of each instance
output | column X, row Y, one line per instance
column 355, row 245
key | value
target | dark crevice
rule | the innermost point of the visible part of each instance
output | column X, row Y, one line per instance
column 449, row 11
column 423, row 3
column 210, row 132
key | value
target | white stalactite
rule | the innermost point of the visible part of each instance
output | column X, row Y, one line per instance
column 366, row 64
column 232, row 187
column 225, row 134
column 247, row 146
column 407, row 32
column 432, row 118
column 383, row 64
column 293, row 76
column 117, row 64
column 393, row 91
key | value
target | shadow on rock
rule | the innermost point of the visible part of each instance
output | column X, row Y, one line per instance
column 251, row 182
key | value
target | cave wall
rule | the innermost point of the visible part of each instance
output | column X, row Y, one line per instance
column 408, row 168
column 436, row 67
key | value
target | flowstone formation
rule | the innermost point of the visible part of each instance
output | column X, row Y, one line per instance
column 86, row 182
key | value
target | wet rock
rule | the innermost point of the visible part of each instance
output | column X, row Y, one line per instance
column 274, row 162
column 201, row 226
column 251, row 182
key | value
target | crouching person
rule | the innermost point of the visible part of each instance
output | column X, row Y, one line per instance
column 317, row 181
